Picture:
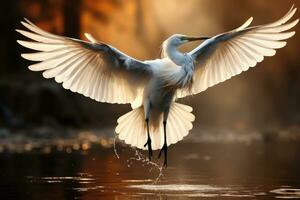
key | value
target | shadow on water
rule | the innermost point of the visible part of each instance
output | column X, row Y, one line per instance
column 211, row 170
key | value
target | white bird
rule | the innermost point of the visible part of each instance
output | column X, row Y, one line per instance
column 102, row 72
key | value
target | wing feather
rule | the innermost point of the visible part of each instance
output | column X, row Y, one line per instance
column 229, row 54
column 96, row 70
column 40, row 46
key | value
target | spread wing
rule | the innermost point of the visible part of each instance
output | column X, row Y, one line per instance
column 96, row 70
column 229, row 54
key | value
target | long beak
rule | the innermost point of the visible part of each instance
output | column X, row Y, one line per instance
column 196, row 38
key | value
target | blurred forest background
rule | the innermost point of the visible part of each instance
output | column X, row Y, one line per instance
column 264, row 98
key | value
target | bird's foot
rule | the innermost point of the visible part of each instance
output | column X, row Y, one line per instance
column 165, row 150
column 148, row 144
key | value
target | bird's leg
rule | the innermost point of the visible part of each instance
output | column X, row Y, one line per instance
column 148, row 143
column 147, row 115
column 165, row 146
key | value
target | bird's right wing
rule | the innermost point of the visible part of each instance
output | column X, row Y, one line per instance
column 229, row 54
column 96, row 70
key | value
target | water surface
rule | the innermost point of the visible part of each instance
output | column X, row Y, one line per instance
column 259, row 170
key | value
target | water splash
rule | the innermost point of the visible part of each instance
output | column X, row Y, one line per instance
column 138, row 156
column 115, row 148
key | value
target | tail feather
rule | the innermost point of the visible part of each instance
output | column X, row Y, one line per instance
column 132, row 127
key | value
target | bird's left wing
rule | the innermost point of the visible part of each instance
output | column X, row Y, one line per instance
column 226, row 55
column 96, row 70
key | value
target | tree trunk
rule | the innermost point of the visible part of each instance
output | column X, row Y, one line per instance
column 72, row 18
column 9, row 17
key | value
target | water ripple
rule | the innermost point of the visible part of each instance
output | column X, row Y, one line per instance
column 179, row 187
column 287, row 193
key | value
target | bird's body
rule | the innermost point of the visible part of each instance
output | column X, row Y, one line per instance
column 101, row 72
column 172, row 72
column 167, row 78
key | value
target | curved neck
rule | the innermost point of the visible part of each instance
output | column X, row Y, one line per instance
column 171, row 51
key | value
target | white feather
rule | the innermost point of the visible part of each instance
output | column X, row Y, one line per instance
column 235, row 51
column 132, row 127
column 74, row 62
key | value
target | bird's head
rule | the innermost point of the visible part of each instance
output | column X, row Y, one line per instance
column 179, row 39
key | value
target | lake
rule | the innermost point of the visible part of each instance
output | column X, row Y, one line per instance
column 218, row 170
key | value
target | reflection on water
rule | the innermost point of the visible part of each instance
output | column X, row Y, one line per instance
column 287, row 193
column 197, row 170
column 177, row 187
column 60, row 179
